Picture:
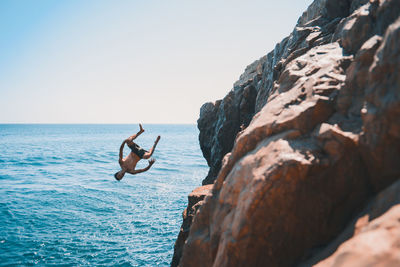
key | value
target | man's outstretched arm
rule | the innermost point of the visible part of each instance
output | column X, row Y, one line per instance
column 121, row 151
column 133, row 137
column 151, row 162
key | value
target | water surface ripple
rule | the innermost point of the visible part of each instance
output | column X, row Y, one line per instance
column 60, row 204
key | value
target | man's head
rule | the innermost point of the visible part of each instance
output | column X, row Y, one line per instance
column 119, row 175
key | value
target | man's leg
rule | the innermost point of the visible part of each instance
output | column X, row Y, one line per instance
column 130, row 139
column 148, row 154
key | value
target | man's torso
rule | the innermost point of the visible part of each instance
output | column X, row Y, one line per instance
column 129, row 162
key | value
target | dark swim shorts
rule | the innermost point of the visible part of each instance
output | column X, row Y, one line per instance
column 137, row 149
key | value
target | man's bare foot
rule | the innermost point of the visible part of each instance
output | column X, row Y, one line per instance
column 158, row 139
column 141, row 127
column 151, row 161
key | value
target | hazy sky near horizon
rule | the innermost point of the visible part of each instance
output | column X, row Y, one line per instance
column 152, row 61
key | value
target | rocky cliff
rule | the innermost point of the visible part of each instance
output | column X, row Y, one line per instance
column 304, row 146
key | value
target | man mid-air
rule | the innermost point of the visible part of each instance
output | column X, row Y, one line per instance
column 128, row 163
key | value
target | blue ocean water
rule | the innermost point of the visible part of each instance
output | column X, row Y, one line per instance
column 60, row 204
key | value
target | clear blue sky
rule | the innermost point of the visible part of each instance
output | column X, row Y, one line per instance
column 152, row 61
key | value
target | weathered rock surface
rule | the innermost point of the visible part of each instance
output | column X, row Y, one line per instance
column 195, row 200
column 221, row 121
column 371, row 239
column 320, row 137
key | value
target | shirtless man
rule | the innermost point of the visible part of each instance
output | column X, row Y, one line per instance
column 128, row 163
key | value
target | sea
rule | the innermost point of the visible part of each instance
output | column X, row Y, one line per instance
column 61, row 205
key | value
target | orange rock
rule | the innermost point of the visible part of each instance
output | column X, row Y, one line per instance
column 195, row 201
column 371, row 239
column 324, row 140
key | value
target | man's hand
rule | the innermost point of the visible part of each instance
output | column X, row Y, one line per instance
column 141, row 127
column 151, row 161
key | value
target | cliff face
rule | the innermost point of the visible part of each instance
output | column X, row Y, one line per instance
column 307, row 136
column 220, row 122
